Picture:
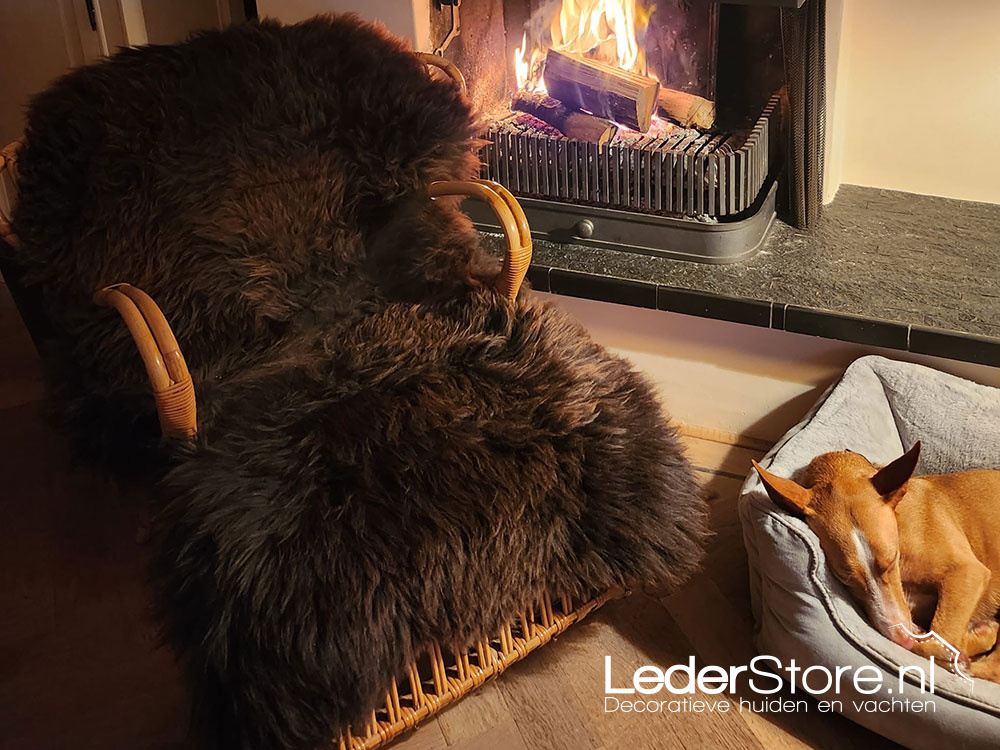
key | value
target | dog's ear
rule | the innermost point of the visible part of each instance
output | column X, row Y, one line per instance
column 890, row 478
column 785, row 493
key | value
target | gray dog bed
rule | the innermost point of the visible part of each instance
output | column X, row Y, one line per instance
column 878, row 408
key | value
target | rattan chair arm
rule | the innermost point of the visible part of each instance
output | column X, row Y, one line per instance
column 450, row 69
column 517, row 262
column 170, row 350
column 517, row 257
column 168, row 373
column 8, row 159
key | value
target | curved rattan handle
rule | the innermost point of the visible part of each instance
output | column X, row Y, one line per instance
column 165, row 365
column 450, row 69
column 512, row 220
column 8, row 159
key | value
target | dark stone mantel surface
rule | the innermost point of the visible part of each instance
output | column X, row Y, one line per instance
column 903, row 271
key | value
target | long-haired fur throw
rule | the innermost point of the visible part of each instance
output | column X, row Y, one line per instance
column 388, row 452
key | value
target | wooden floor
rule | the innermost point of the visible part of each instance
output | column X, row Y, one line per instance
column 80, row 665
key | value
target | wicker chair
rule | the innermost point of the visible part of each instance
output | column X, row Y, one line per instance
column 435, row 680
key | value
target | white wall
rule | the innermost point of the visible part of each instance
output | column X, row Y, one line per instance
column 38, row 42
column 170, row 21
column 409, row 19
column 836, row 99
column 917, row 96
column 735, row 378
column 42, row 39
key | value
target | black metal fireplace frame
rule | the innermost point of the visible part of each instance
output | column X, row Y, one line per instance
column 614, row 197
column 676, row 237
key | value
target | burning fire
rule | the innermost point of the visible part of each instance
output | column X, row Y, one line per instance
column 604, row 30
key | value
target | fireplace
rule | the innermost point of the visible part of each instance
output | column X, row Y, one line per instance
column 662, row 127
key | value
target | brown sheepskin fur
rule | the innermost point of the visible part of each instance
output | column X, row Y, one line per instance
column 388, row 452
column 236, row 178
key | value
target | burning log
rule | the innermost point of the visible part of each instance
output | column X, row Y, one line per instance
column 687, row 109
column 577, row 125
column 603, row 90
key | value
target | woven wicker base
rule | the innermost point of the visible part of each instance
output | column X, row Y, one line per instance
column 434, row 681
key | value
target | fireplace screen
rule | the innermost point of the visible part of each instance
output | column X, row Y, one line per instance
column 678, row 171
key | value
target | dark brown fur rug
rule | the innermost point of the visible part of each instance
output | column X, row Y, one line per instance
column 388, row 452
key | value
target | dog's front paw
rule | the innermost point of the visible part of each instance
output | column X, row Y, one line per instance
column 982, row 637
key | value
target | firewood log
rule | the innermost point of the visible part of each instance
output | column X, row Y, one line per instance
column 572, row 124
column 600, row 89
column 689, row 110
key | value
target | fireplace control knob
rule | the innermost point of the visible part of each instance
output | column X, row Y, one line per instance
column 584, row 229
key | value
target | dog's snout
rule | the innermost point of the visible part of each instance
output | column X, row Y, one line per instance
column 901, row 636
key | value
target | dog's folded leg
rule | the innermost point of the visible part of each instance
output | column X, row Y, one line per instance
column 988, row 667
column 958, row 597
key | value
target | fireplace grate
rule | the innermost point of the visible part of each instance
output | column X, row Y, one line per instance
column 685, row 172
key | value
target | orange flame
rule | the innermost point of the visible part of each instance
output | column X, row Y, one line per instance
column 605, row 30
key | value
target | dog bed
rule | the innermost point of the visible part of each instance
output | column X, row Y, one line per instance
column 879, row 408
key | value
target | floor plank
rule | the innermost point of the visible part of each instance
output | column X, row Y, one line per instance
column 80, row 665
column 479, row 719
column 429, row 737
column 635, row 632
column 721, row 635
column 712, row 457
column 20, row 369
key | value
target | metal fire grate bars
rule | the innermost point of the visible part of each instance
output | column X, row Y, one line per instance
column 685, row 172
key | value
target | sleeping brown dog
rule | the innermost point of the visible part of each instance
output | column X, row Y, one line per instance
column 910, row 549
